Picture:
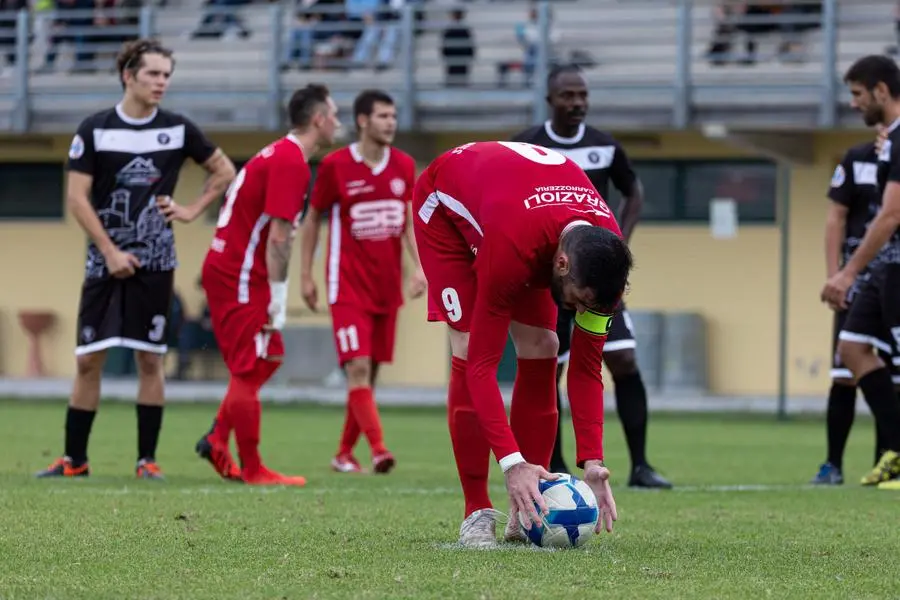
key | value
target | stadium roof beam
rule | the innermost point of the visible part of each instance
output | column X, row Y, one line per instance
column 794, row 147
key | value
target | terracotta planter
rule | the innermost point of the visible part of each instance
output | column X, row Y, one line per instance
column 35, row 323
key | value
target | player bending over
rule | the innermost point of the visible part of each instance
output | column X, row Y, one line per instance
column 245, row 278
column 506, row 231
column 366, row 188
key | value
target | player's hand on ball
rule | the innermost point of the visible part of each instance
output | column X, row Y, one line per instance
column 173, row 211
column 121, row 264
column 417, row 283
column 522, row 484
column 309, row 292
column 597, row 477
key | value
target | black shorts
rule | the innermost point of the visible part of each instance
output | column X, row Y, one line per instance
column 128, row 313
column 838, row 370
column 620, row 336
column 874, row 316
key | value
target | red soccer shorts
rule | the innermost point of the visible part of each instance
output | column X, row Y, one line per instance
column 239, row 328
column 449, row 265
column 359, row 333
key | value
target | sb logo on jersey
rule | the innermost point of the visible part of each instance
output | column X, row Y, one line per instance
column 377, row 219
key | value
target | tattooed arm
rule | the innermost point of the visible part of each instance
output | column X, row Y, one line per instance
column 278, row 249
column 278, row 256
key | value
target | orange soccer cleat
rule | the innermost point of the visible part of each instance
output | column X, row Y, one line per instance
column 63, row 467
column 266, row 477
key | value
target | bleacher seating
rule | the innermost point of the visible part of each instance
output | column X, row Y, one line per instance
column 634, row 44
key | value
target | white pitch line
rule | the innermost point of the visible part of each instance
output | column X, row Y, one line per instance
column 500, row 547
column 154, row 489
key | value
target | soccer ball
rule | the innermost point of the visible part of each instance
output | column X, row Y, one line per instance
column 572, row 517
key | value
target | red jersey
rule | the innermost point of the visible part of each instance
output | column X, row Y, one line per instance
column 367, row 221
column 512, row 202
column 272, row 185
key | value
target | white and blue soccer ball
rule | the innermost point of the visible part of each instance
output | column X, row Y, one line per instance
column 573, row 514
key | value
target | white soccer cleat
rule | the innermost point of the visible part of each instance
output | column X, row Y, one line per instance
column 514, row 533
column 345, row 463
column 479, row 530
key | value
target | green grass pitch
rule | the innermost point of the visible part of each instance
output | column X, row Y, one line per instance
column 742, row 523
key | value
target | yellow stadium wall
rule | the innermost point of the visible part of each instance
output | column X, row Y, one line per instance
column 734, row 283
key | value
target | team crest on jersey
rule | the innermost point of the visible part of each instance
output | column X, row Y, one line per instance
column 76, row 149
column 398, row 186
column 837, row 180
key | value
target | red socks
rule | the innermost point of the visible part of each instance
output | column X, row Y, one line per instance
column 245, row 412
column 222, row 430
column 361, row 403
column 470, row 448
column 533, row 415
column 351, row 432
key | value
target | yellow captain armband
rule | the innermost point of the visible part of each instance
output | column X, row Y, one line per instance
column 594, row 323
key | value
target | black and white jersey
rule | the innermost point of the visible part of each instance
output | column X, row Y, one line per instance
column 855, row 186
column 132, row 161
column 595, row 151
column 889, row 170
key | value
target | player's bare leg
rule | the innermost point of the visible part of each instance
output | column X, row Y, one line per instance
column 631, row 404
column 874, row 379
column 80, row 415
column 533, row 401
column 150, row 401
column 361, row 401
column 471, row 451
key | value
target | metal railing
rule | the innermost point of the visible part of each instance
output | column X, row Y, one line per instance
column 668, row 60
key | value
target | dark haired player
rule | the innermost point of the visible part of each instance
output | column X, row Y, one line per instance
column 123, row 167
column 855, row 199
column 506, row 232
column 604, row 160
column 873, row 320
column 245, row 277
column 366, row 189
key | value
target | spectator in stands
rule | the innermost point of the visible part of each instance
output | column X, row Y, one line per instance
column 300, row 44
column 115, row 22
column 529, row 37
column 458, row 49
column 8, row 29
column 73, row 24
column 757, row 19
column 221, row 16
column 805, row 16
column 894, row 49
column 332, row 38
column 380, row 30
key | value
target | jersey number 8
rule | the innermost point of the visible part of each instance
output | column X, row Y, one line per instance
column 230, row 197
